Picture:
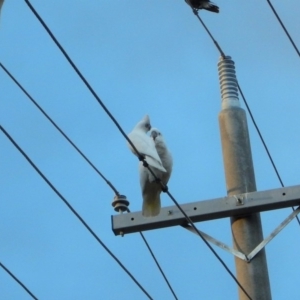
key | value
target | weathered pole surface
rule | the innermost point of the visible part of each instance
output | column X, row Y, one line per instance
column 246, row 229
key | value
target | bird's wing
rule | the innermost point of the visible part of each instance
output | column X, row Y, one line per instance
column 145, row 146
column 167, row 161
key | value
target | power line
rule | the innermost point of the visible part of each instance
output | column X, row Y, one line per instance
column 247, row 106
column 74, row 211
column 263, row 142
column 260, row 135
column 141, row 158
column 90, row 163
column 18, row 281
column 82, row 78
column 283, row 27
column 158, row 265
column 60, row 130
column 195, row 11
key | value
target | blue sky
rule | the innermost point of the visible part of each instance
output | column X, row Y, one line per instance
column 141, row 57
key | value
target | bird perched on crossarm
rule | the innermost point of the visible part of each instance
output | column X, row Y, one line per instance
column 203, row 4
column 154, row 151
column 151, row 188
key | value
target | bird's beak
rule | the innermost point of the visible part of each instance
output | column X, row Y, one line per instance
column 154, row 135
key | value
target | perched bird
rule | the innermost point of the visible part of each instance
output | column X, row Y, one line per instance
column 144, row 144
column 151, row 188
column 203, row 4
column 1, row 2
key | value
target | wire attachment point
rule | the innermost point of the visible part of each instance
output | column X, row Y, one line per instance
column 195, row 11
column 141, row 157
column 164, row 188
column 145, row 164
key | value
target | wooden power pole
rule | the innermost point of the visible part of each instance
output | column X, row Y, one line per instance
column 246, row 229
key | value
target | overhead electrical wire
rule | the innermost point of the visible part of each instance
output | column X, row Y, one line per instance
column 141, row 158
column 74, row 211
column 195, row 11
column 158, row 265
column 89, row 162
column 18, row 281
column 58, row 128
column 80, row 74
column 264, row 144
column 283, row 27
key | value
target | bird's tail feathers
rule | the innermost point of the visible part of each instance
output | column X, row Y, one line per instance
column 211, row 7
column 151, row 206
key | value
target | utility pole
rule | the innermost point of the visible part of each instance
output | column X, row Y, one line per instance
column 239, row 173
column 242, row 205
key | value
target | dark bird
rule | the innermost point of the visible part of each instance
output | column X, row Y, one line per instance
column 1, row 2
column 203, row 4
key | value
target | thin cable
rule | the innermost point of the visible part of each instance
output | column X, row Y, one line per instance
column 195, row 11
column 263, row 142
column 90, row 163
column 158, row 265
column 18, row 281
column 60, row 130
column 260, row 135
column 83, row 78
column 283, row 27
column 141, row 158
column 74, row 211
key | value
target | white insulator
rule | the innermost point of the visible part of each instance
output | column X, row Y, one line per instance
column 228, row 82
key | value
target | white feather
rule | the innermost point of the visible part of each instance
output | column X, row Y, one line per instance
column 144, row 144
column 151, row 189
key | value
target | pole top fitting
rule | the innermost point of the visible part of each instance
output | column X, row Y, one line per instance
column 228, row 82
column 120, row 204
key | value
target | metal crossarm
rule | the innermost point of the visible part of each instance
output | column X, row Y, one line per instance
column 224, row 207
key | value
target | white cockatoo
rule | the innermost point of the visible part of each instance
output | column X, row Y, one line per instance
column 203, row 4
column 151, row 188
column 144, row 144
